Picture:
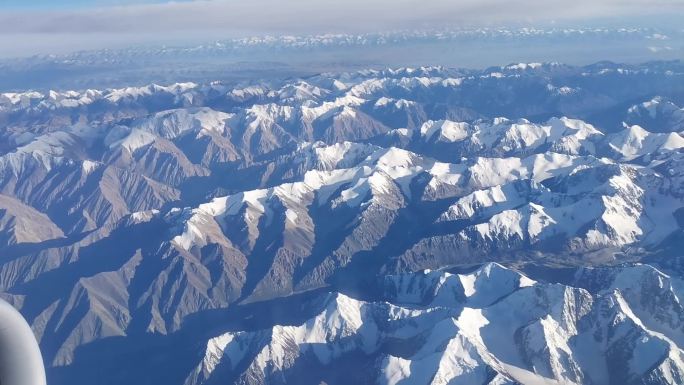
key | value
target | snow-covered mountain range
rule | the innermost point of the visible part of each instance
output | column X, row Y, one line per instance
column 275, row 57
column 489, row 326
column 429, row 225
column 308, row 42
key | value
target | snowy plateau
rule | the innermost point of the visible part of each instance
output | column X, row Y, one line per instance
column 521, row 224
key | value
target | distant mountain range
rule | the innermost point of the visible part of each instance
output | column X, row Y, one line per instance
column 519, row 224
column 240, row 60
column 308, row 42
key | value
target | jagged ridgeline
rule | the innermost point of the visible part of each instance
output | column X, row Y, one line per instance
column 341, row 228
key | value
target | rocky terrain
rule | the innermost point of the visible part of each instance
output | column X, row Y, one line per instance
column 166, row 234
column 490, row 326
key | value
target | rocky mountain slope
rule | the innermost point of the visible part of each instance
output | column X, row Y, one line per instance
column 136, row 224
column 489, row 326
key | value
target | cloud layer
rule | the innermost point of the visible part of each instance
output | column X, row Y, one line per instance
column 23, row 31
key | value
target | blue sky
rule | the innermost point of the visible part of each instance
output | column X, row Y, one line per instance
column 69, row 4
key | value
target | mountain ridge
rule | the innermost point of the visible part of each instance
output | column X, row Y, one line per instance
column 152, row 219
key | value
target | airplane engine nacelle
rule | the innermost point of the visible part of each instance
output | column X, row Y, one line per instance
column 20, row 360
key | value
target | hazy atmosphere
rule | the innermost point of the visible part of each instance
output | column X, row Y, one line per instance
column 86, row 44
column 42, row 27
